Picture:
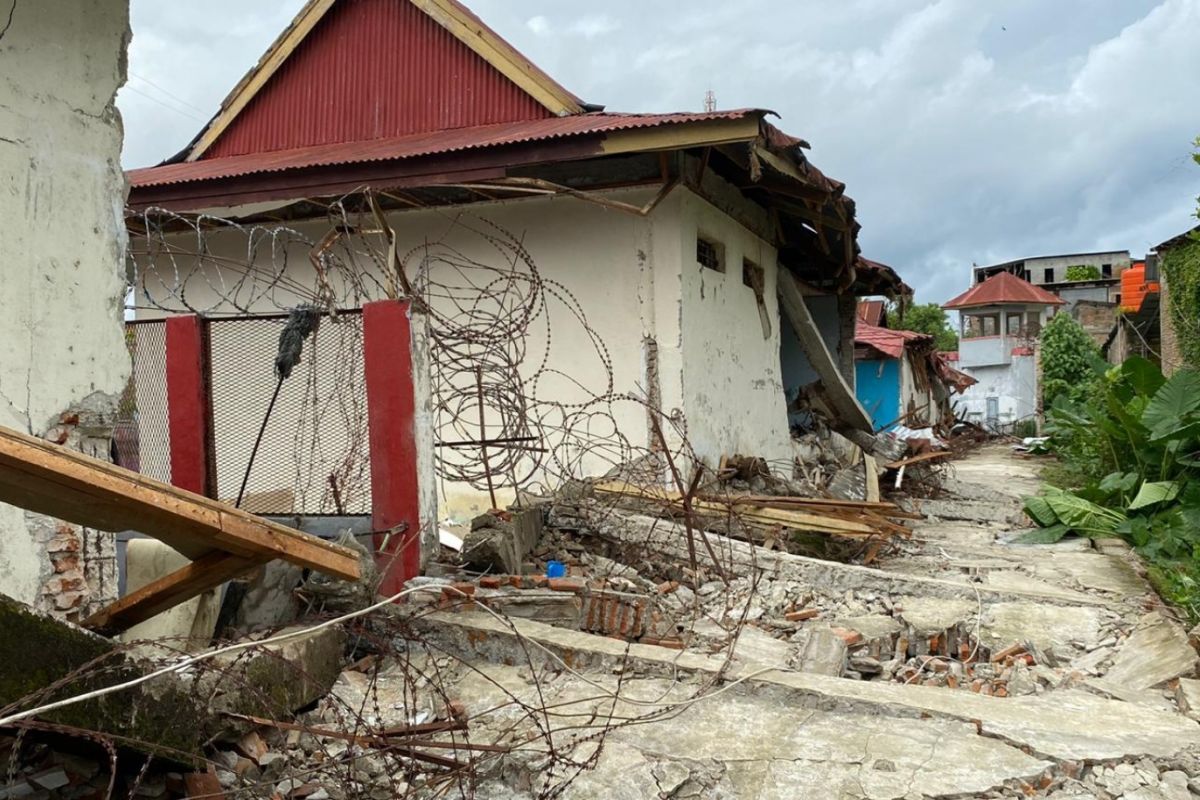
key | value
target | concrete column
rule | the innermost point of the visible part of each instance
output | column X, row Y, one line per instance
column 391, row 416
column 63, row 361
column 189, row 405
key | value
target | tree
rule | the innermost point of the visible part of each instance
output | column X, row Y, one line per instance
column 1069, row 361
column 927, row 318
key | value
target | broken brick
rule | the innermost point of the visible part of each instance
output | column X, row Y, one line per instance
column 667, row 587
column 802, row 615
column 1011, row 650
column 671, row 642
column 850, row 637
column 566, row 584
column 490, row 582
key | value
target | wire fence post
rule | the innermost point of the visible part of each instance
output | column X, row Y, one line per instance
column 391, row 419
column 189, row 405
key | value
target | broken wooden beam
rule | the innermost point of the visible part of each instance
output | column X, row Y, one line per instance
column 221, row 540
column 206, row 572
column 905, row 462
column 52, row 480
column 840, row 396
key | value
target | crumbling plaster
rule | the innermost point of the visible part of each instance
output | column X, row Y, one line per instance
column 63, row 360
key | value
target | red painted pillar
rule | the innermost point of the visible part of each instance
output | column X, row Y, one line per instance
column 189, row 407
column 391, row 416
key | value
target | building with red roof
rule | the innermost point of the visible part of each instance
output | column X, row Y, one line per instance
column 383, row 146
column 1000, row 319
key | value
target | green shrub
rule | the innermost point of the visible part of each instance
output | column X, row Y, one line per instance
column 1130, row 467
column 1071, row 361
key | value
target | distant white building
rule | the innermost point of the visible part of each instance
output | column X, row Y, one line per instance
column 1051, row 273
column 1000, row 320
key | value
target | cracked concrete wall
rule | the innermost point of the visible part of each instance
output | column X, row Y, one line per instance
column 733, row 387
column 63, row 360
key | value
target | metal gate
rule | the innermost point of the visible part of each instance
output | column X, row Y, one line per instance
column 314, row 455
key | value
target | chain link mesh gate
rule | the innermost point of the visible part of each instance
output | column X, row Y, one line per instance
column 141, row 436
column 314, row 457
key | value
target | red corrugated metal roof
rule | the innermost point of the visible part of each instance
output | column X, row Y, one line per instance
column 422, row 144
column 889, row 342
column 374, row 69
column 1003, row 287
column 871, row 312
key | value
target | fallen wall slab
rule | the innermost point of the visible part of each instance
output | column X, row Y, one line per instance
column 1061, row 725
column 173, row 715
column 745, row 559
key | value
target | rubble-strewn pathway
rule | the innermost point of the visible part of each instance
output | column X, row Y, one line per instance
column 963, row 666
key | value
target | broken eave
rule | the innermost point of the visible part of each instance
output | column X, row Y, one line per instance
column 815, row 226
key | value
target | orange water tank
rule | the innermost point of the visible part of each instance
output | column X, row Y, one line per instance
column 1134, row 287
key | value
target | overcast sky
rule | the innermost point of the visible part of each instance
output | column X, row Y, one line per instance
column 966, row 131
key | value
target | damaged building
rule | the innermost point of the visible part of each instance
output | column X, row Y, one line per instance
column 1000, row 321
column 664, row 242
column 901, row 378
column 484, row 443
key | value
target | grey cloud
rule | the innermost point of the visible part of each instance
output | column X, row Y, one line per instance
column 965, row 131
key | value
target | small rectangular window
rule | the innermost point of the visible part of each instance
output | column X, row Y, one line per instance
column 752, row 276
column 1106, row 270
column 710, row 254
column 1014, row 324
column 1049, row 275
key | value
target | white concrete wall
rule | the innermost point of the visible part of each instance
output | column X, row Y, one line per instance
column 641, row 291
column 1015, row 385
column 732, row 382
column 63, row 360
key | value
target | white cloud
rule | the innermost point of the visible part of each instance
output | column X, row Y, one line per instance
column 965, row 131
column 592, row 26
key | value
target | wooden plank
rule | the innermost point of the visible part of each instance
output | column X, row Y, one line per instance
column 36, row 474
column 872, row 468
column 904, row 462
column 169, row 591
column 840, row 395
column 767, row 516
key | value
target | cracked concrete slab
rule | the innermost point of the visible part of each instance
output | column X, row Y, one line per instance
column 1157, row 651
column 881, row 731
column 1061, row 725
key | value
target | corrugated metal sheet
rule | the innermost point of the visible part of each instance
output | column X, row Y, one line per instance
column 423, row 144
column 1003, row 287
column 885, row 340
column 871, row 311
column 374, row 69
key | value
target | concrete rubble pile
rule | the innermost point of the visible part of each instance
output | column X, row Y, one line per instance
column 957, row 664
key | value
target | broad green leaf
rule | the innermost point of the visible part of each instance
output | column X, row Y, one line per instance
column 1154, row 492
column 1173, row 404
column 1185, row 430
column 1048, row 535
column 1119, row 482
column 1039, row 511
column 1142, row 375
column 1080, row 515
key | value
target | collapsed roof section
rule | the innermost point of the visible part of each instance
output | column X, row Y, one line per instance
column 874, row 341
column 421, row 97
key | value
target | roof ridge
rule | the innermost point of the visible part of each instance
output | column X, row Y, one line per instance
column 459, row 21
column 1003, row 287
